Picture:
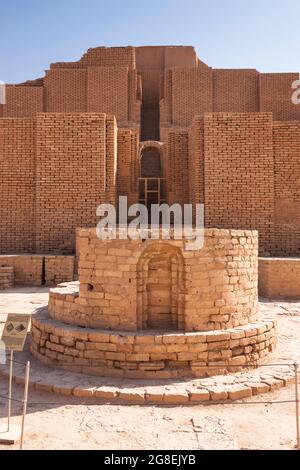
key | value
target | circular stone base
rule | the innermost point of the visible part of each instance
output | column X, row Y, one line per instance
column 231, row 387
column 150, row 355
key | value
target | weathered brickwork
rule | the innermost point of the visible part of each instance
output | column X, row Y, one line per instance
column 279, row 278
column 132, row 285
column 228, row 139
column 235, row 91
column 65, row 91
column 76, row 152
column 275, row 95
column 108, row 91
column 38, row 270
column 151, row 356
column 59, row 269
column 128, row 165
column 23, row 101
column 17, row 185
column 28, row 269
column 239, row 173
column 131, row 297
column 6, row 277
column 287, row 188
column 176, row 165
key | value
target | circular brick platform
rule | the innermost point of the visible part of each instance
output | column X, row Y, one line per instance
column 230, row 387
column 154, row 309
column 152, row 355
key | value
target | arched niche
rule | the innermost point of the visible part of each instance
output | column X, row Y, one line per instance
column 161, row 288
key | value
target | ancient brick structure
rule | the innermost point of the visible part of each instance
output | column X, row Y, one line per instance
column 153, row 309
column 39, row 270
column 279, row 278
column 103, row 126
column 157, row 125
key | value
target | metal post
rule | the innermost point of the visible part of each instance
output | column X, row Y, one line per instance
column 10, row 388
column 297, row 405
column 25, row 403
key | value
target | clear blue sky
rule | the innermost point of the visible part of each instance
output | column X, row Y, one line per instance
column 262, row 34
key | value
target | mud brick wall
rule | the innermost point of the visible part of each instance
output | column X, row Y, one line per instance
column 28, row 269
column 23, row 101
column 59, row 269
column 192, row 93
column 239, row 173
column 287, row 188
column 74, row 173
column 134, row 99
column 103, row 57
column 176, row 165
column 6, row 277
column 279, row 278
column 66, row 90
column 214, row 288
column 108, row 91
column 128, row 164
column 235, row 91
column 196, row 161
column 17, row 185
column 276, row 95
column 165, row 104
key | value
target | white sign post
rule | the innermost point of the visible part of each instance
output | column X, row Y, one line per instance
column 14, row 337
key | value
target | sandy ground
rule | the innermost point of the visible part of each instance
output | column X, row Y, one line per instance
column 57, row 422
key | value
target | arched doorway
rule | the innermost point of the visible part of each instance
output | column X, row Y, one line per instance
column 151, row 181
column 161, row 288
column 151, row 163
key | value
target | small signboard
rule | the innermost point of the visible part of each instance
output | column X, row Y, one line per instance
column 15, row 331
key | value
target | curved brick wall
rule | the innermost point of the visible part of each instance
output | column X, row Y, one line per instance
column 146, row 355
column 132, row 285
column 153, row 309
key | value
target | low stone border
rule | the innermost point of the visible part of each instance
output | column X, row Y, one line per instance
column 150, row 355
column 6, row 277
column 201, row 391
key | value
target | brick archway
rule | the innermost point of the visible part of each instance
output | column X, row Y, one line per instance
column 151, row 159
column 160, row 288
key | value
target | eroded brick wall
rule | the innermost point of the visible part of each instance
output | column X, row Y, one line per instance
column 17, row 185
column 75, row 168
column 59, row 269
column 28, row 269
column 287, row 188
column 6, row 277
column 176, row 165
column 66, row 91
column 128, row 164
column 235, row 91
column 239, row 173
column 23, row 101
column 279, row 278
column 276, row 95
column 37, row 270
